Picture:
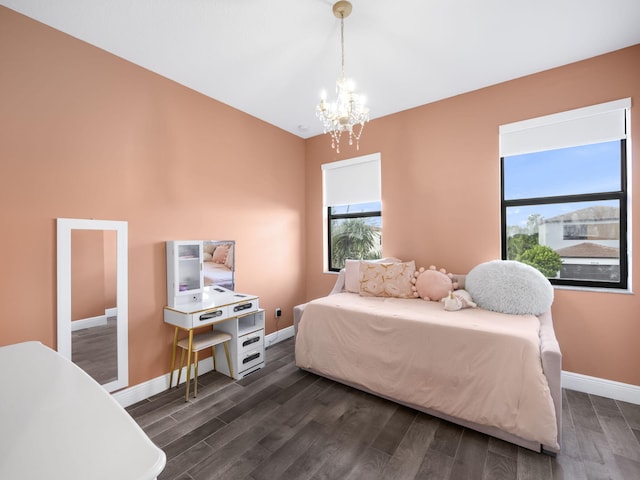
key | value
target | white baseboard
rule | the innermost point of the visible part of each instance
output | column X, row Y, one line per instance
column 602, row 387
column 137, row 393
column 278, row 336
column 152, row 387
column 88, row 322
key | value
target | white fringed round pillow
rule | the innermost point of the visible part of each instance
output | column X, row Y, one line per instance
column 508, row 286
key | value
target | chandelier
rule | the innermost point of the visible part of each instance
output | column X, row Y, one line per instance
column 348, row 112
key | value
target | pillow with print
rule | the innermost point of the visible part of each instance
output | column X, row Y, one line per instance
column 387, row 279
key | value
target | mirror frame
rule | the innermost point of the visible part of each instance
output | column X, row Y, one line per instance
column 64, row 228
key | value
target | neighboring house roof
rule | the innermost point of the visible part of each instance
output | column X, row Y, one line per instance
column 597, row 213
column 589, row 250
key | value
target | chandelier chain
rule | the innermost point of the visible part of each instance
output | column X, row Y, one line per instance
column 342, row 41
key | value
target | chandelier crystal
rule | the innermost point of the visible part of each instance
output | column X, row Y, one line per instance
column 348, row 112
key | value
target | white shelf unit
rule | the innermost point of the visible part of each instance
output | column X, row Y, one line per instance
column 247, row 346
column 185, row 276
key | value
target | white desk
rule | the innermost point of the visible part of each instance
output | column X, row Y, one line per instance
column 57, row 423
column 238, row 314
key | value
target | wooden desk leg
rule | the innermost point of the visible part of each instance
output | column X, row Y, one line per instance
column 180, row 367
column 195, row 379
column 226, row 352
column 173, row 357
column 186, row 397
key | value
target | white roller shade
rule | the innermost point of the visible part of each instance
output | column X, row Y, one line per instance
column 584, row 126
column 352, row 181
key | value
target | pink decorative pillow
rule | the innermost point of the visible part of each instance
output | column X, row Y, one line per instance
column 432, row 284
column 386, row 279
column 229, row 260
column 220, row 254
column 352, row 272
column 207, row 251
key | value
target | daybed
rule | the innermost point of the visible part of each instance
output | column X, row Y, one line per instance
column 493, row 372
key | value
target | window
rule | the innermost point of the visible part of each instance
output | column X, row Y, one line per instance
column 353, row 210
column 564, row 195
column 354, row 231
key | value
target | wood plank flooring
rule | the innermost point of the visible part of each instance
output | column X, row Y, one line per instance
column 284, row 423
column 95, row 350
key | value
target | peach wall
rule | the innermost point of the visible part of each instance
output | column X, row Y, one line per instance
column 441, row 195
column 110, row 241
column 84, row 134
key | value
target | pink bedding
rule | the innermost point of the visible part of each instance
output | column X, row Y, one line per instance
column 473, row 364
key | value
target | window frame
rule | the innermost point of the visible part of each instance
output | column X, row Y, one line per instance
column 353, row 181
column 620, row 195
column 344, row 216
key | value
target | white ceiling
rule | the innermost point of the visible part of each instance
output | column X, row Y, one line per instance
column 272, row 58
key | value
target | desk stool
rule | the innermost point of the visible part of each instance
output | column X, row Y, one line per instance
column 200, row 342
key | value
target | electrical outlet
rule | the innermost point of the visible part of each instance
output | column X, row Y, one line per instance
column 278, row 312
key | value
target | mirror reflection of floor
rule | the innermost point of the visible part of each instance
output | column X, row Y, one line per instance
column 94, row 350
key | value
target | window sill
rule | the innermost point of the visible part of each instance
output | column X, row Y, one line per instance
column 594, row 289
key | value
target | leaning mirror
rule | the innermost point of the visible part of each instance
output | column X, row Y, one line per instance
column 218, row 265
column 92, row 298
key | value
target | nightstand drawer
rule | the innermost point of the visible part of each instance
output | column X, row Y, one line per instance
column 250, row 358
column 242, row 308
column 251, row 341
column 210, row 316
column 197, row 319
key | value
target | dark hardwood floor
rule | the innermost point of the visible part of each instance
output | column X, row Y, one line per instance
column 284, row 423
column 95, row 350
